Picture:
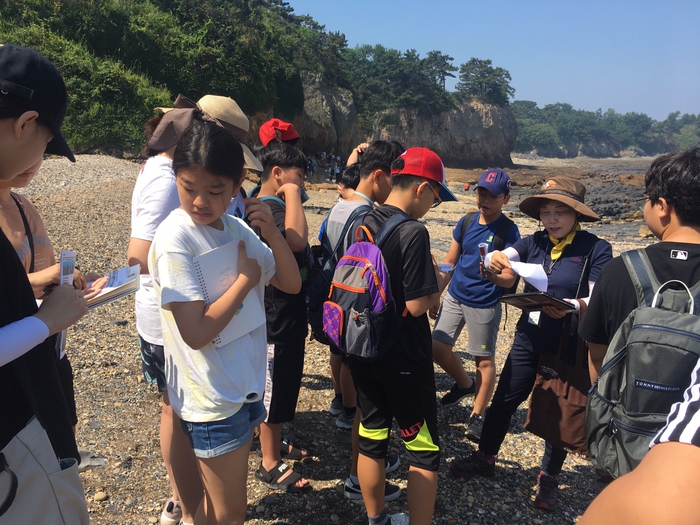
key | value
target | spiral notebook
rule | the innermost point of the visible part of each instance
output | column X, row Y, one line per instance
column 217, row 270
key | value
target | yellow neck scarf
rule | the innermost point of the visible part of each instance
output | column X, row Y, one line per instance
column 559, row 245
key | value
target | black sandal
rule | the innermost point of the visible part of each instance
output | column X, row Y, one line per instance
column 295, row 453
column 272, row 478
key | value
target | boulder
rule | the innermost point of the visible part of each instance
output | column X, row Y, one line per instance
column 329, row 122
column 472, row 135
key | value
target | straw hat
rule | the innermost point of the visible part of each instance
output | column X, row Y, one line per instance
column 562, row 189
column 230, row 116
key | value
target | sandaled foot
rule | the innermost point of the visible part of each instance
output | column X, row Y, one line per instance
column 283, row 477
column 289, row 451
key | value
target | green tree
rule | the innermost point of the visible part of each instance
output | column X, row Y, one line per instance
column 480, row 80
column 439, row 67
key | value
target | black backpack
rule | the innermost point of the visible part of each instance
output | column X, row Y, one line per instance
column 324, row 257
column 646, row 369
column 499, row 240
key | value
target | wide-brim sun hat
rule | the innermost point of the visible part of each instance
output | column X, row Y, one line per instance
column 561, row 189
column 230, row 116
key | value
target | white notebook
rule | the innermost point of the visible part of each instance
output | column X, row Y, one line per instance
column 217, row 270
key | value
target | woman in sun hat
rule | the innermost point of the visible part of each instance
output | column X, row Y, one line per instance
column 569, row 256
column 154, row 197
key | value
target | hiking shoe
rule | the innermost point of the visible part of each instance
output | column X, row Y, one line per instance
column 172, row 513
column 473, row 465
column 547, row 494
column 336, row 406
column 392, row 462
column 398, row 519
column 344, row 421
column 353, row 491
column 456, row 394
column 476, row 425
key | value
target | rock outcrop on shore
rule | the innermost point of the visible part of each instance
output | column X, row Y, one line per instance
column 472, row 135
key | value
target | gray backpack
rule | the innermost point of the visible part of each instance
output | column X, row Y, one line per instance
column 645, row 370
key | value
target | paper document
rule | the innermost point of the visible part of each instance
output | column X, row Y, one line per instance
column 67, row 266
column 532, row 273
column 122, row 282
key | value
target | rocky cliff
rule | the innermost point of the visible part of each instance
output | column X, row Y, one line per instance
column 329, row 122
column 473, row 135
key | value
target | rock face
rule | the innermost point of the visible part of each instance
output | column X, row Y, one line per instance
column 329, row 122
column 473, row 135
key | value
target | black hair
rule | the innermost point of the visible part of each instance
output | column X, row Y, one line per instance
column 149, row 129
column 379, row 155
column 213, row 148
column 279, row 154
column 350, row 176
column 676, row 178
column 405, row 182
column 13, row 107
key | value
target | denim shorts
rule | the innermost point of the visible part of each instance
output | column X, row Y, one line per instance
column 216, row 438
column 153, row 363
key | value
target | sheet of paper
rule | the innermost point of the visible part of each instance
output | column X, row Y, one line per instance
column 120, row 277
column 532, row 273
column 67, row 266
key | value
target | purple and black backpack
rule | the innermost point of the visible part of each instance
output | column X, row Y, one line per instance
column 359, row 316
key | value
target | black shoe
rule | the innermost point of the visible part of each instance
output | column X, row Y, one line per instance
column 547, row 496
column 476, row 425
column 474, row 465
column 456, row 394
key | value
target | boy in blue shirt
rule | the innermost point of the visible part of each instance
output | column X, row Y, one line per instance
column 473, row 298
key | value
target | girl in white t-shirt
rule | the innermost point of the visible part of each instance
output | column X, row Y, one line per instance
column 216, row 392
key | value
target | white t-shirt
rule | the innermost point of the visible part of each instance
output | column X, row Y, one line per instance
column 208, row 384
column 155, row 196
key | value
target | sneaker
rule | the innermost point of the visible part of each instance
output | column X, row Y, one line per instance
column 476, row 425
column 172, row 513
column 353, row 491
column 343, row 421
column 336, row 406
column 392, row 462
column 398, row 519
column 547, row 494
column 473, row 465
column 456, row 394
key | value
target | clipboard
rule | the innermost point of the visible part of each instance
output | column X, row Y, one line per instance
column 534, row 301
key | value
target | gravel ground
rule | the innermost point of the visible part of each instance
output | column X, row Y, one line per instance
column 86, row 207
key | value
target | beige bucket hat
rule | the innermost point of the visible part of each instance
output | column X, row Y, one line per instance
column 563, row 189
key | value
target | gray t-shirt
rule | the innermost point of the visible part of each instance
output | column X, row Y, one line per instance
column 339, row 215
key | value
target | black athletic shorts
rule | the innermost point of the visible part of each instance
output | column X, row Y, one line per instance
column 286, row 380
column 388, row 389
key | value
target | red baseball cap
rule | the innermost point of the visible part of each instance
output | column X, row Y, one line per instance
column 277, row 128
column 422, row 162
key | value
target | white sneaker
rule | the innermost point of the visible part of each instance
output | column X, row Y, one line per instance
column 172, row 513
column 398, row 519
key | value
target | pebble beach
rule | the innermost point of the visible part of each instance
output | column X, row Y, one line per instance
column 86, row 207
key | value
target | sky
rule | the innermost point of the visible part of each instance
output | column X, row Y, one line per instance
column 638, row 56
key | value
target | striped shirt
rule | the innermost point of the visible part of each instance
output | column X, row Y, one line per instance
column 683, row 422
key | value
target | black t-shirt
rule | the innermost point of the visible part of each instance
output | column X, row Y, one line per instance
column 406, row 254
column 614, row 295
column 31, row 377
column 286, row 313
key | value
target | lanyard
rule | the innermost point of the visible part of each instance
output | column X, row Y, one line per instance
column 371, row 202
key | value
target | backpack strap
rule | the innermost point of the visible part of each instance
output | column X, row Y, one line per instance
column 360, row 210
column 389, row 226
column 468, row 218
column 275, row 199
column 642, row 275
column 501, row 235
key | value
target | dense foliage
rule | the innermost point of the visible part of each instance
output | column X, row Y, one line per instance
column 122, row 58
column 561, row 130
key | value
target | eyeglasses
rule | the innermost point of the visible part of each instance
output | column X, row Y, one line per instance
column 488, row 196
column 437, row 200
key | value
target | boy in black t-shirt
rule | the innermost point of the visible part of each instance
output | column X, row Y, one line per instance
column 401, row 384
column 282, row 188
column 663, row 488
column 672, row 212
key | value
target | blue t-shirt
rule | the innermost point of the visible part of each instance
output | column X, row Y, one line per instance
column 468, row 286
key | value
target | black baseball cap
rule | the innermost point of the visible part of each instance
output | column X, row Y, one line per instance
column 37, row 84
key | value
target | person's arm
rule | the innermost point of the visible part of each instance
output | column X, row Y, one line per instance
column 137, row 253
column 295, row 227
column 199, row 323
column 654, row 493
column 356, row 152
column 417, row 307
column 286, row 276
column 596, row 354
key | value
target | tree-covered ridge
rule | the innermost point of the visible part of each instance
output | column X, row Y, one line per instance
column 560, row 130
